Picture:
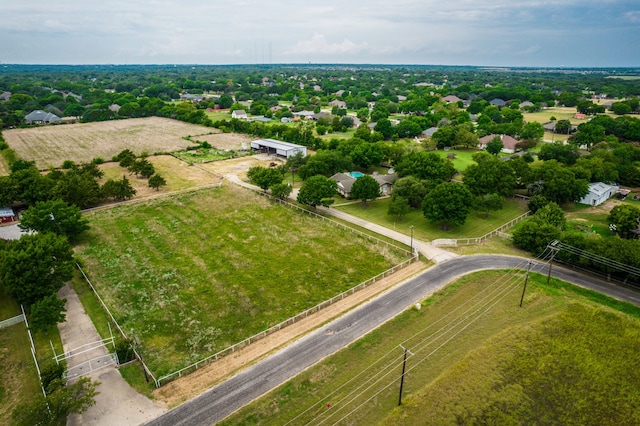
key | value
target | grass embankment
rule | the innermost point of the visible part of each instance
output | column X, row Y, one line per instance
column 198, row 272
column 476, row 225
column 566, row 357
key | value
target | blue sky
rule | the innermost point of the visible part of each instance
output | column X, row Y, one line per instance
column 571, row 33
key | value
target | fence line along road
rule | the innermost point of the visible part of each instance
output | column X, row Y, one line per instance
column 477, row 240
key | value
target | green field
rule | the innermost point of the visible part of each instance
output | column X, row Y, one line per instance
column 200, row 271
column 463, row 158
column 476, row 225
column 568, row 356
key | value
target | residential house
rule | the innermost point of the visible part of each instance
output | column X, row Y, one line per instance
column 345, row 182
column 508, row 142
column 338, row 103
column 451, row 99
column 41, row 117
column 239, row 114
column 498, row 102
column 429, row 132
column 525, row 104
column 599, row 192
column 4, row 96
column 7, row 215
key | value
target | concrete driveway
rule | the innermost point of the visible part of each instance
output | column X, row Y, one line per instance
column 117, row 403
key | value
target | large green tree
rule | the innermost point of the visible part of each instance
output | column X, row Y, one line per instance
column 559, row 184
column 264, row 177
column 365, row 188
column 623, row 219
column 35, row 266
column 490, row 175
column 412, row 189
column 47, row 312
column 425, row 165
column 55, row 216
column 534, row 235
column 318, row 190
column 448, row 203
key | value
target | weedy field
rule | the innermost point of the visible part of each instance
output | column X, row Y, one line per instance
column 197, row 272
column 52, row 145
column 567, row 356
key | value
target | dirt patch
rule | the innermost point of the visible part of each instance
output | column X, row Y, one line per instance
column 231, row 141
column 52, row 145
column 239, row 166
column 185, row 388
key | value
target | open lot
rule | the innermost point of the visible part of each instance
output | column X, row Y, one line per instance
column 565, row 357
column 200, row 271
column 51, row 145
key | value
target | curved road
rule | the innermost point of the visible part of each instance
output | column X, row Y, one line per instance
column 225, row 398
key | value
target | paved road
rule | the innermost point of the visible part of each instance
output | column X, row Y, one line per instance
column 220, row 401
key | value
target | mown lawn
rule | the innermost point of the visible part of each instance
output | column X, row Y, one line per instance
column 476, row 225
column 200, row 271
column 566, row 357
column 462, row 160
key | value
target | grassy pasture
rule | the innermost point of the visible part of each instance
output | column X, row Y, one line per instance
column 463, row 158
column 200, row 271
column 475, row 226
column 565, row 357
column 51, row 145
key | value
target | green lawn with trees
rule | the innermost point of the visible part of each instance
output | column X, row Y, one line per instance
column 195, row 273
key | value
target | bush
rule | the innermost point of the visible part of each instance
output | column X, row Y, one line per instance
column 98, row 160
column 124, row 350
column 49, row 374
column 68, row 164
column 3, row 145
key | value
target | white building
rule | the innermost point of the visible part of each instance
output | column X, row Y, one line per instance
column 274, row 147
column 599, row 193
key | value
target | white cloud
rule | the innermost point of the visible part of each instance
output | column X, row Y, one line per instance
column 318, row 44
column 633, row 16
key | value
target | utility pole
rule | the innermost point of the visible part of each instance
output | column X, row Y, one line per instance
column 553, row 248
column 411, row 240
column 526, row 278
column 404, row 366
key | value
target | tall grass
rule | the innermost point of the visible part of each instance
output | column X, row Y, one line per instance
column 565, row 357
column 198, row 272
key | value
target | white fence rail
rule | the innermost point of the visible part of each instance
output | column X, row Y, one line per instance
column 469, row 241
column 91, row 365
column 12, row 321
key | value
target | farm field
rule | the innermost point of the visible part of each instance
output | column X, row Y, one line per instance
column 475, row 226
column 51, row 145
column 197, row 272
column 565, row 357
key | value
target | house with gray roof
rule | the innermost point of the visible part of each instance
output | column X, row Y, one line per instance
column 41, row 117
column 345, row 182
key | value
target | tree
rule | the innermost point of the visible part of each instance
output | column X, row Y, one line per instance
column 35, row 266
column 425, row 165
column 142, row 167
column 264, row 177
column 225, row 101
column 623, row 219
column 365, row 188
column 490, row 175
column 562, row 127
column 55, row 216
column 532, row 131
column 156, row 181
column 398, row 207
column 281, row 190
column 620, row 108
column 367, row 154
column 125, row 158
column 566, row 154
column 413, row 189
column 534, row 235
column 489, row 202
column 553, row 215
column 384, row 127
column 495, row 145
column 318, row 190
column 118, row 190
column 537, row 202
column 448, row 203
column 465, row 138
column 559, row 184
column 54, row 410
column 325, row 163
column 46, row 312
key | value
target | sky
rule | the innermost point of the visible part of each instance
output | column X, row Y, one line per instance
column 528, row 33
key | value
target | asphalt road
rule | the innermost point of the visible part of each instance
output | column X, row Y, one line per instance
column 227, row 397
